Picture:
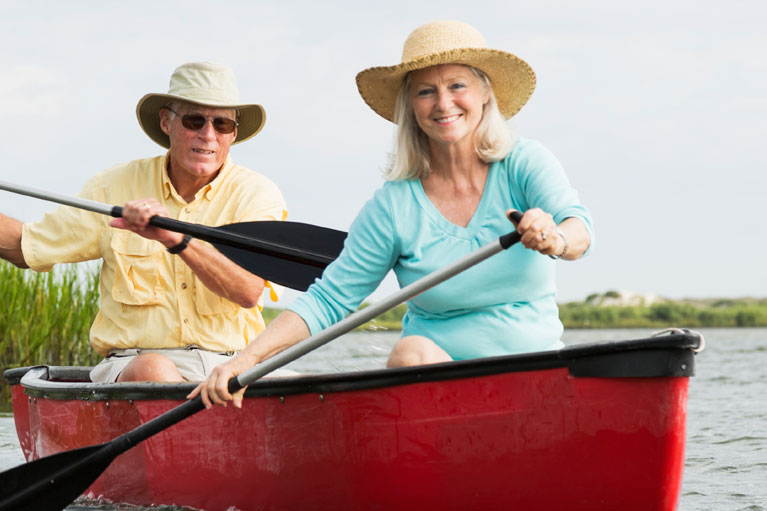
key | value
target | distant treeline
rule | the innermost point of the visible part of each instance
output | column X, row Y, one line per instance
column 715, row 313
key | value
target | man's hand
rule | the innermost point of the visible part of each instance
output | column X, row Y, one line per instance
column 136, row 215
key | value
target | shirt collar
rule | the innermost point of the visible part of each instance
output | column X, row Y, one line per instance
column 167, row 186
column 209, row 191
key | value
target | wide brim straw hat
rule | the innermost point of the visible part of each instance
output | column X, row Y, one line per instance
column 201, row 83
column 449, row 42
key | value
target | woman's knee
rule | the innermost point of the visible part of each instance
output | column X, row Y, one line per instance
column 416, row 350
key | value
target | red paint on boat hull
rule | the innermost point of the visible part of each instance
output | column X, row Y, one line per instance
column 524, row 440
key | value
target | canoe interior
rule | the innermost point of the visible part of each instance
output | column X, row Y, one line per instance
column 597, row 426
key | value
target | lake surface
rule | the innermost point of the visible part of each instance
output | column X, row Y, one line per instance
column 726, row 454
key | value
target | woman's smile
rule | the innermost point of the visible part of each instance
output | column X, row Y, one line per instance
column 447, row 120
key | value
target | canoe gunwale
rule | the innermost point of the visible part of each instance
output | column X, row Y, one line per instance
column 665, row 356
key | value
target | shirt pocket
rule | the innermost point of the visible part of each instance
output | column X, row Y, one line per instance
column 137, row 269
column 209, row 303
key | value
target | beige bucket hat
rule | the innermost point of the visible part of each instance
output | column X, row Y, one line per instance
column 202, row 83
column 449, row 42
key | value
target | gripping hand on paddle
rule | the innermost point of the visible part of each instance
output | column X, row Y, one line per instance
column 568, row 240
column 219, row 274
column 136, row 215
column 284, row 331
column 215, row 389
column 538, row 231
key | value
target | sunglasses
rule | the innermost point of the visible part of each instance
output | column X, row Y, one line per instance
column 195, row 122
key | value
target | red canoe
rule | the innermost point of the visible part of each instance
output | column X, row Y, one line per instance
column 590, row 427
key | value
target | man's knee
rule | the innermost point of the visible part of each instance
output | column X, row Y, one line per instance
column 151, row 367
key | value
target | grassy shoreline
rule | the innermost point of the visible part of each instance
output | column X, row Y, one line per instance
column 45, row 318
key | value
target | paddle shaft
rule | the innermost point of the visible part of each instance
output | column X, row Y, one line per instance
column 124, row 442
column 128, row 440
column 363, row 316
column 28, row 482
column 210, row 234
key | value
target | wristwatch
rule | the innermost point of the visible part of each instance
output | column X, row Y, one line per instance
column 176, row 249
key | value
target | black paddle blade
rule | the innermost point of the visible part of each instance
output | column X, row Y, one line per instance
column 53, row 482
column 316, row 247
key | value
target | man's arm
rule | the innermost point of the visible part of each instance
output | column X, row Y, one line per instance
column 10, row 241
column 219, row 274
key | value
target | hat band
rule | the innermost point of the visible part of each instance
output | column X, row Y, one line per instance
column 211, row 96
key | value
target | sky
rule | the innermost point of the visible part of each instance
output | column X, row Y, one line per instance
column 656, row 110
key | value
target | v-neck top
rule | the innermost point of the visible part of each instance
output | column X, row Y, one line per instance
column 431, row 210
column 504, row 305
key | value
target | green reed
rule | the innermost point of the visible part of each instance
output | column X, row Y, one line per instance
column 45, row 318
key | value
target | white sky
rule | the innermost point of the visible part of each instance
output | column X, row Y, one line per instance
column 655, row 108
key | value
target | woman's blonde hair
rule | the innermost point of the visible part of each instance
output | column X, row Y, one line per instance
column 410, row 157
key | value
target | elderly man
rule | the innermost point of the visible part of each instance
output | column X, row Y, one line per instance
column 172, row 308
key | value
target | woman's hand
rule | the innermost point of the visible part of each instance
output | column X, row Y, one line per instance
column 539, row 232
column 283, row 332
column 215, row 389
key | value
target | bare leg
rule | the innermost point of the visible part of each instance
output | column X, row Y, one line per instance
column 151, row 367
column 416, row 350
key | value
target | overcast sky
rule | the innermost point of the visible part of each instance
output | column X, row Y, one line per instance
column 656, row 109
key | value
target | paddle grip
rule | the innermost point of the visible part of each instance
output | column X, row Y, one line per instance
column 508, row 240
column 117, row 211
column 515, row 216
column 234, row 385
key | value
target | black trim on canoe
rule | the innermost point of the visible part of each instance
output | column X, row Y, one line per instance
column 669, row 355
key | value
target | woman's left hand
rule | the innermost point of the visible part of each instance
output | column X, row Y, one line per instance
column 539, row 232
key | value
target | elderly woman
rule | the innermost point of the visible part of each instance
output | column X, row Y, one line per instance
column 456, row 173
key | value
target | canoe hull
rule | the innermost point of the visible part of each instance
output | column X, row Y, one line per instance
column 532, row 439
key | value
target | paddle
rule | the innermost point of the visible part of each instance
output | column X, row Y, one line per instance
column 53, row 482
column 291, row 254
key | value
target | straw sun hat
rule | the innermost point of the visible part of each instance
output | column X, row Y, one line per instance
column 449, row 42
column 202, row 83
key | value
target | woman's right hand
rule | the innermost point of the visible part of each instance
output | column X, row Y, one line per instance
column 283, row 332
column 215, row 390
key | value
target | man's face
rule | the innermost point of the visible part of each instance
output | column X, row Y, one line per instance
column 197, row 154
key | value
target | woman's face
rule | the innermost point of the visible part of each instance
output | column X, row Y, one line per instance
column 447, row 101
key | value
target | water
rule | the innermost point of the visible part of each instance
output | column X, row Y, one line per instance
column 726, row 457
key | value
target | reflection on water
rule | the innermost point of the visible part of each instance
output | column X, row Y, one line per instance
column 726, row 454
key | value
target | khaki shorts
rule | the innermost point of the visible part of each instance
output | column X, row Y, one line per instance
column 193, row 364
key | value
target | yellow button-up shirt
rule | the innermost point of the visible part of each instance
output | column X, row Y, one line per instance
column 150, row 298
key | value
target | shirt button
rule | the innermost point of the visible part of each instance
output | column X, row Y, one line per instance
column 183, row 285
column 186, row 210
column 186, row 320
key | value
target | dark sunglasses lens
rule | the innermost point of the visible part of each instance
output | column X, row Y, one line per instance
column 193, row 122
column 197, row 121
column 224, row 125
